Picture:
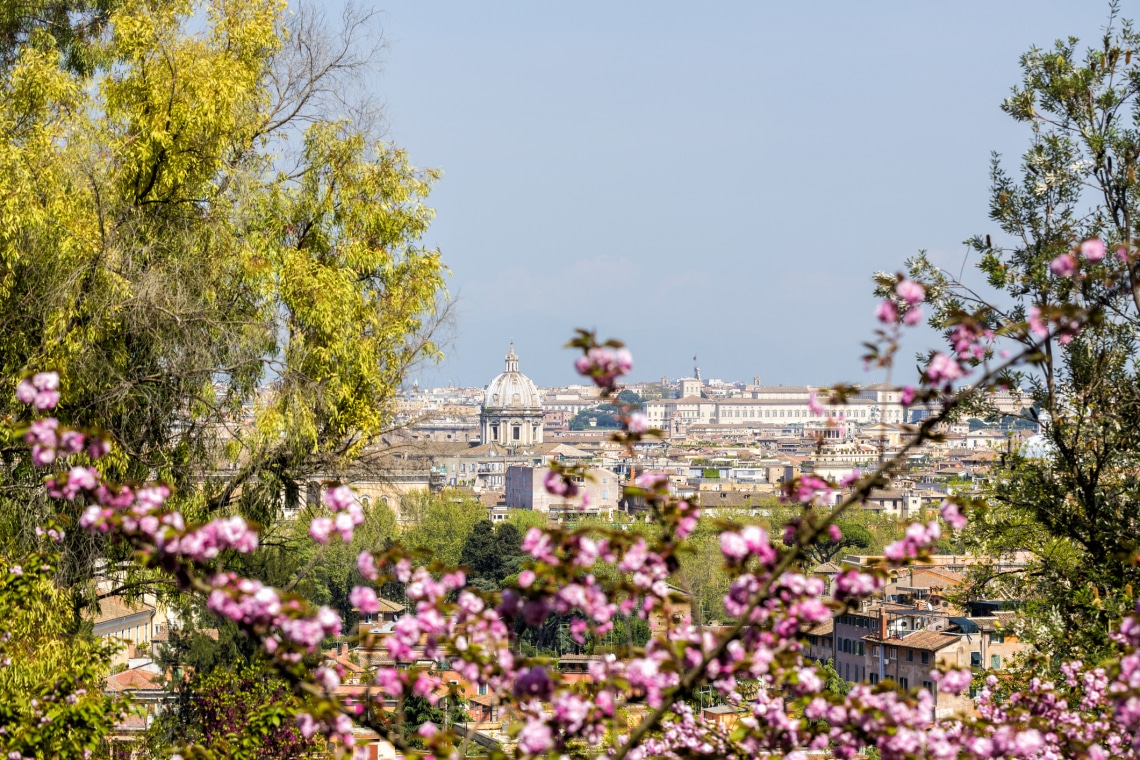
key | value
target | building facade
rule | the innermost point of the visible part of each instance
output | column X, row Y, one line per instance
column 512, row 408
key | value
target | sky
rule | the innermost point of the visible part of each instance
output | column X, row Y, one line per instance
column 710, row 179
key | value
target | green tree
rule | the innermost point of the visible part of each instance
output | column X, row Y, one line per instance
column 223, row 265
column 1075, row 511
column 442, row 523
column 855, row 537
column 248, row 714
column 525, row 519
column 630, row 397
column 491, row 554
column 604, row 416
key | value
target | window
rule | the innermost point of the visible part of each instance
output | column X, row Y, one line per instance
column 874, row 653
column 975, row 659
column 997, row 637
column 516, row 432
column 894, row 653
column 482, row 689
column 862, row 649
column 904, row 682
column 995, row 661
column 926, row 658
column 910, row 655
column 874, row 678
column 928, row 685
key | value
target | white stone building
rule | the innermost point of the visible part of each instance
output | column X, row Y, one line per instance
column 512, row 408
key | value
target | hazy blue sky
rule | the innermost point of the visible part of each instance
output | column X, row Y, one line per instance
column 718, row 179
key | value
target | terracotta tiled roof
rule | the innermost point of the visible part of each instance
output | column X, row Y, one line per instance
column 928, row 640
column 133, row 680
column 822, row 629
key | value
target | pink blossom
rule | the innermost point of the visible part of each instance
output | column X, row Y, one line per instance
column 638, row 423
column 1064, row 265
column 307, row 724
column 320, row 528
column 535, row 738
column 25, row 392
column 558, row 484
column 814, row 406
column 364, row 599
column 943, row 368
column 1093, row 249
column 1037, row 325
column 366, row 564
column 732, row 546
column 604, row 365
column 41, row 391
column 651, row 480
column 70, row 442
column 344, row 524
column 887, row 312
column 913, row 316
column 910, row 291
column 97, row 448
column 326, row 678
column 952, row 681
column 339, row 498
column 43, row 432
column 852, row 584
column 906, row 397
column 952, row 515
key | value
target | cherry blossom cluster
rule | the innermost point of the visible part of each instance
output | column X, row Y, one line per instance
column 1068, row 264
column 41, row 391
column 348, row 515
column 905, row 306
column 604, row 365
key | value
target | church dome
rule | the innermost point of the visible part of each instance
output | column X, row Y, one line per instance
column 512, row 389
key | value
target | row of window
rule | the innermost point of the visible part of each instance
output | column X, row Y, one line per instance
column 893, row 654
column 761, row 413
column 859, row 621
column 904, row 682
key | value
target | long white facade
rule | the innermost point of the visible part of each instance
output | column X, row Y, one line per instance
column 776, row 406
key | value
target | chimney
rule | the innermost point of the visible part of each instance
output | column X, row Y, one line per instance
column 339, row 648
column 883, row 624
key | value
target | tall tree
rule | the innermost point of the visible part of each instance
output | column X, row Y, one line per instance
column 1075, row 509
column 223, row 264
column 491, row 553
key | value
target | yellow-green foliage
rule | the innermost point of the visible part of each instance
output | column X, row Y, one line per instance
column 154, row 251
column 51, row 688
